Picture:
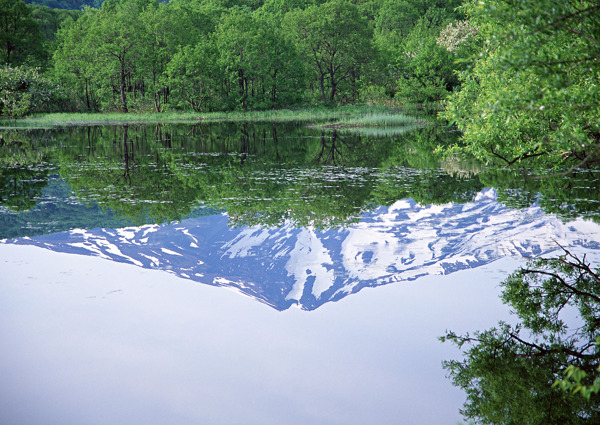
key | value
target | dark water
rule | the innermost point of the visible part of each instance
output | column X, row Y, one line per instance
column 290, row 216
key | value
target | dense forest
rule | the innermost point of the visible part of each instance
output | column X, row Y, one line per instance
column 221, row 55
column 520, row 78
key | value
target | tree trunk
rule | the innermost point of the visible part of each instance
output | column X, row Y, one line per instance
column 333, row 83
column 123, row 95
column 243, row 88
column 274, row 89
column 87, row 95
column 333, row 90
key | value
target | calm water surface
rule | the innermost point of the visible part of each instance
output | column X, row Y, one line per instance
column 117, row 243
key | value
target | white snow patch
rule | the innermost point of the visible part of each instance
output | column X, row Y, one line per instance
column 243, row 244
column 127, row 232
column 168, row 251
column 309, row 258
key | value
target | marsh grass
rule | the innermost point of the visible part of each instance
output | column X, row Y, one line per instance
column 346, row 116
column 376, row 119
column 380, row 131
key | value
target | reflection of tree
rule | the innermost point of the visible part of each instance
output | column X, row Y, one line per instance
column 568, row 197
column 125, row 172
column 508, row 372
column 264, row 173
column 23, row 171
column 330, row 152
column 20, row 188
column 246, row 169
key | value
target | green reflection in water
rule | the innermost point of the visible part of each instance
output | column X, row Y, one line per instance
column 259, row 173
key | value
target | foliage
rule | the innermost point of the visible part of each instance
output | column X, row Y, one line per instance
column 243, row 55
column 508, row 371
column 335, row 38
column 206, row 55
column 456, row 35
column 427, row 69
column 73, row 63
column 418, row 69
column 23, row 91
column 20, row 37
column 191, row 75
column 533, row 89
column 577, row 381
column 49, row 21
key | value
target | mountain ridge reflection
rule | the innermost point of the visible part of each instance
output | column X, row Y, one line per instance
column 307, row 267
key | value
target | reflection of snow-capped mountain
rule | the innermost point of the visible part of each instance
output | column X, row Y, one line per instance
column 285, row 266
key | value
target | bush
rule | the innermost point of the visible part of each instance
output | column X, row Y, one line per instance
column 24, row 91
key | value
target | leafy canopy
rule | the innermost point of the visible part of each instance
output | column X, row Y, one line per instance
column 533, row 89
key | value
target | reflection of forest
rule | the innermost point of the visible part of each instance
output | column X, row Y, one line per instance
column 263, row 173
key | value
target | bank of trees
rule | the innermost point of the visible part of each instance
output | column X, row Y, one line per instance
column 143, row 55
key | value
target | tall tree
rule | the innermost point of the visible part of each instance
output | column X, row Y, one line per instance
column 281, row 78
column 166, row 28
column 120, row 35
column 194, row 78
column 418, row 68
column 236, row 41
column 75, row 62
column 336, row 40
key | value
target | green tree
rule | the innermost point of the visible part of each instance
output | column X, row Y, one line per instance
column 278, row 8
column 23, row 90
column 237, row 41
column 426, row 71
column 281, row 76
column 75, row 63
column 533, row 89
column 406, row 31
column 166, row 29
column 119, row 34
column 20, row 37
column 337, row 42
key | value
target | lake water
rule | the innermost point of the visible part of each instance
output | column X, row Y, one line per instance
column 352, row 252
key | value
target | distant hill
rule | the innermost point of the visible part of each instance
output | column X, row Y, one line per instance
column 66, row 4
column 71, row 4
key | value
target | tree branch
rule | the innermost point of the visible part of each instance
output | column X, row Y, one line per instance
column 562, row 282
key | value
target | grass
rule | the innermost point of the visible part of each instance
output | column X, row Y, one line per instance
column 345, row 116
column 380, row 131
column 375, row 119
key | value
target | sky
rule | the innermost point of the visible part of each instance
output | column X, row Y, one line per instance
column 84, row 340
